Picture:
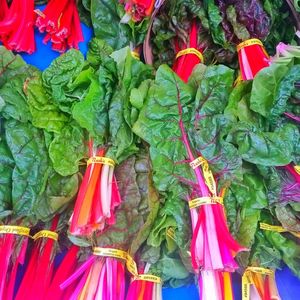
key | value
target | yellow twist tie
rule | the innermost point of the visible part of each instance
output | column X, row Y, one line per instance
column 171, row 233
column 249, row 42
column 46, row 234
column 247, row 279
column 11, row 229
column 110, row 252
column 207, row 173
column 279, row 229
column 297, row 169
column 150, row 278
column 40, row 13
column 190, row 51
column 135, row 55
column 101, row 160
column 204, row 200
column 131, row 266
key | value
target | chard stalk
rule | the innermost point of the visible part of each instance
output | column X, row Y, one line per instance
column 104, row 191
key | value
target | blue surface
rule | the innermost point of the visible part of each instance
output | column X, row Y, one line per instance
column 288, row 284
column 44, row 55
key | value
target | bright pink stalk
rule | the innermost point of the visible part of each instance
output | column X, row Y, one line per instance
column 291, row 169
column 17, row 27
column 3, row 9
column 39, row 270
column 213, row 247
column 215, row 285
column 64, row 271
column 292, row 116
column 185, row 64
column 12, row 255
column 252, row 58
column 144, row 290
column 99, row 278
column 97, row 198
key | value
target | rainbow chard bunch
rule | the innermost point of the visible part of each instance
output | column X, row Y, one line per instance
column 102, row 275
column 40, row 267
column 224, row 24
column 186, row 136
column 13, row 245
column 98, row 195
column 17, row 25
column 60, row 20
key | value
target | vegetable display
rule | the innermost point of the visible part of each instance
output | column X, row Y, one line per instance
column 168, row 155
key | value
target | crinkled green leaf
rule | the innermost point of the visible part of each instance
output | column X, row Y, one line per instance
column 265, row 88
column 32, row 168
column 106, row 16
column 58, row 78
column 276, row 148
column 6, row 170
column 67, row 149
column 45, row 113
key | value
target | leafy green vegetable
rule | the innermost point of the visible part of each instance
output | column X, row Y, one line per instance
column 31, row 170
column 65, row 156
column 6, row 170
column 58, row 78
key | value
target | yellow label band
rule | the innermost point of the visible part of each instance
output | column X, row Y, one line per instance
column 131, row 266
column 260, row 270
column 297, row 169
column 46, row 234
column 279, row 229
column 198, row 162
column 249, row 42
column 11, row 229
column 171, row 233
column 147, row 277
column 135, row 55
column 245, row 288
column 210, row 181
column 204, row 200
column 40, row 13
column 110, row 252
column 190, row 51
column 101, row 160
column 247, row 279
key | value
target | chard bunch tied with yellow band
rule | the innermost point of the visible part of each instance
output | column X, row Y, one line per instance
column 38, row 274
column 13, row 245
column 98, row 195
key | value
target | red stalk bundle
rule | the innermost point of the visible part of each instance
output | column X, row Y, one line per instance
column 252, row 58
column 142, row 288
column 3, row 9
column 13, row 245
column 212, row 284
column 212, row 248
column 64, row 271
column 60, row 20
column 97, row 197
column 188, row 56
column 102, row 276
column 17, row 25
column 139, row 9
column 39, row 271
column 259, row 284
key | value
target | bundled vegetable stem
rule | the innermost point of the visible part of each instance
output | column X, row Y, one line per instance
column 17, row 25
column 97, row 197
column 13, row 245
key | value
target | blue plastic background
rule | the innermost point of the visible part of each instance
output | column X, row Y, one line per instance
column 288, row 284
